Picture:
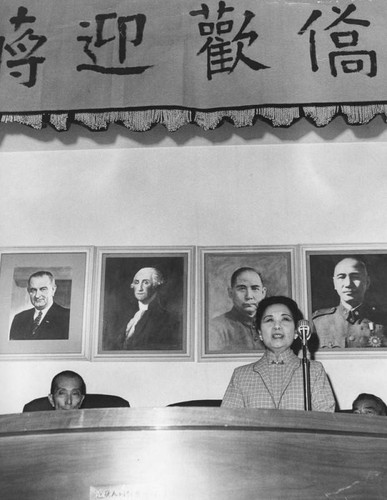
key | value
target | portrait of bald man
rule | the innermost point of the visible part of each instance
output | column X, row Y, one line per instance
column 355, row 321
column 141, row 306
column 234, row 330
column 235, row 280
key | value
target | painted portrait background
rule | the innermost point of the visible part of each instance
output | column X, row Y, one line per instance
column 218, row 266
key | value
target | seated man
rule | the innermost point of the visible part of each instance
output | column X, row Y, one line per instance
column 369, row 404
column 68, row 391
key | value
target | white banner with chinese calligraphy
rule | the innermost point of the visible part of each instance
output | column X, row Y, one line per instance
column 139, row 62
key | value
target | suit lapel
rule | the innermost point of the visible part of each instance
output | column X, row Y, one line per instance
column 262, row 368
column 141, row 323
column 46, row 320
column 148, row 322
column 30, row 325
column 291, row 367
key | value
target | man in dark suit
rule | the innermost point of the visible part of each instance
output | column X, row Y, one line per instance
column 47, row 319
column 151, row 327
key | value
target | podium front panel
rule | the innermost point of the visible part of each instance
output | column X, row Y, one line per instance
column 192, row 453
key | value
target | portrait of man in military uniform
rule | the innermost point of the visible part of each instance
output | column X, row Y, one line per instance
column 357, row 318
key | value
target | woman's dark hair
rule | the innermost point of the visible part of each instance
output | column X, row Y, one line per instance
column 278, row 299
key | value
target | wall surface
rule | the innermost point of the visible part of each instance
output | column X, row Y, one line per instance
column 257, row 186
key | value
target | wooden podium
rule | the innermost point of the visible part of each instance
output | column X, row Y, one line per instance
column 192, row 453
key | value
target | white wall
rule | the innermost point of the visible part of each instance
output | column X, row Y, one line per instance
column 233, row 188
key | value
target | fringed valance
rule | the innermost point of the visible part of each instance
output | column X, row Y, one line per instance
column 139, row 63
column 173, row 119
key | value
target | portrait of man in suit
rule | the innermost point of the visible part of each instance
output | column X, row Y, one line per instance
column 144, row 304
column 151, row 326
column 46, row 319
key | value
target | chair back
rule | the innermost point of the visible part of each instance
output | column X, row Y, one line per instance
column 198, row 402
column 90, row 401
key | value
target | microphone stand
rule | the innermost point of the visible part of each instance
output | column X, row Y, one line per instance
column 306, row 373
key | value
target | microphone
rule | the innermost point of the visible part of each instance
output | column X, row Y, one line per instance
column 303, row 330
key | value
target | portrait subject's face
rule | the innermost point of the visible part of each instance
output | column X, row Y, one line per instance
column 41, row 291
column 247, row 292
column 277, row 329
column 351, row 281
column 142, row 285
column 67, row 395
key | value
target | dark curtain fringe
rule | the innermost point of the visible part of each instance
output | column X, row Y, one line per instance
column 173, row 119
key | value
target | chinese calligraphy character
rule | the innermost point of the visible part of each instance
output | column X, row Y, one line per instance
column 121, row 25
column 22, row 48
column 351, row 61
column 224, row 52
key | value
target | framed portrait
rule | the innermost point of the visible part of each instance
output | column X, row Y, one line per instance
column 144, row 303
column 345, row 296
column 45, row 302
column 233, row 280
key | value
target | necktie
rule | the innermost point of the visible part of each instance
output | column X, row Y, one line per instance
column 36, row 322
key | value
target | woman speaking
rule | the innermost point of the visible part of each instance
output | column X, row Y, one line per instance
column 276, row 380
